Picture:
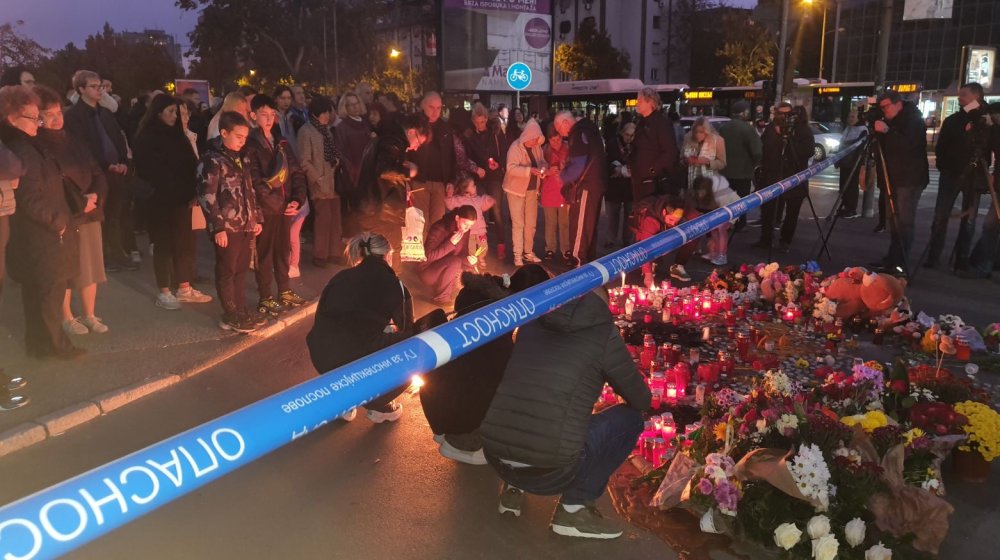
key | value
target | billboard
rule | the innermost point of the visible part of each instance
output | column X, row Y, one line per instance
column 927, row 9
column 979, row 65
column 481, row 39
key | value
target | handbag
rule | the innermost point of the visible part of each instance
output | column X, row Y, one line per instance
column 571, row 192
column 75, row 199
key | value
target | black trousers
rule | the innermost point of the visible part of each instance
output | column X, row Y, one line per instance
column 174, row 245
column 117, row 225
column 849, row 185
column 583, row 217
column 43, row 333
column 742, row 188
column 791, row 219
column 327, row 229
column 273, row 248
column 231, row 265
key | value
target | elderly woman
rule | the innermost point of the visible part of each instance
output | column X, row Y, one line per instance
column 84, row 182
column 526, row 168
column 618, row 197
column 43, row 248
column 704, row 151
column 363, row 309
column 353, row 134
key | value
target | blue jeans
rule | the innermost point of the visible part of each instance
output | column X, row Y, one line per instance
column 949, row 187
column 984, row 254
column 611, row 438
column 906, row 198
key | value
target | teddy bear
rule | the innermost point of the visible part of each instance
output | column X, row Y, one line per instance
column 881, row 292
column 844, row 289
column 859, row 292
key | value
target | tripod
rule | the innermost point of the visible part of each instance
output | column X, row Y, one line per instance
column 872, row 149
column 866, row 155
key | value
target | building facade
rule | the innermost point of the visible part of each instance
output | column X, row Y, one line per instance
column 649, row 31
column 927, row 51
column 156, row 37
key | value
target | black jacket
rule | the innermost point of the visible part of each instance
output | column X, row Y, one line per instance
column 225, row 190
column 163, row 156
column 274, row 191
column 435, row 159
column 587, row 160
column 490, row 143
column 82, row 123
column 76, row 164
column 542, row 409
column 777, row 162
column 954, row 145
column 654, row 153
column 383, row 178
column 44, row 245
column 905, row 149
column 353, row 312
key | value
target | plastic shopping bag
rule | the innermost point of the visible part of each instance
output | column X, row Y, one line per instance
column 413, row 237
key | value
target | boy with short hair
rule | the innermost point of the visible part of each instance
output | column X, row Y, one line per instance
column 226, row 195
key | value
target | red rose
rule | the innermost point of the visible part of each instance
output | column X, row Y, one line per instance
column 899, row 385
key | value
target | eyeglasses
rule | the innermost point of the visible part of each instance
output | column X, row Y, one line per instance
column 93, row 86
column 885, row 106
column 36, row 120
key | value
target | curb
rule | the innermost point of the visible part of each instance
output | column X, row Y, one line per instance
column 54, row 424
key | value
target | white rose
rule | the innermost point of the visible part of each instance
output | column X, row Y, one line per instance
column 818, row 526
column 878, row 552
column 855, row 532
column 787, row 535
column 825, row 547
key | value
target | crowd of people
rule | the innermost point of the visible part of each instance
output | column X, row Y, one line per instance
column 81, row 173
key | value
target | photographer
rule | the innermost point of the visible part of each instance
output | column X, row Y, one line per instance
column 961, row 140
column 788, row 145
column 984, row 254
column 901, row 135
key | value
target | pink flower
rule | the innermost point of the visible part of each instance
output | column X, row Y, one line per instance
column 705, row 486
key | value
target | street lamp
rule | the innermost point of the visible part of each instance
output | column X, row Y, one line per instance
column 822, row 40
column 394, row 54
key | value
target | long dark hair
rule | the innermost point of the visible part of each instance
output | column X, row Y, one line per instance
column 465, row 212
column 156, row 106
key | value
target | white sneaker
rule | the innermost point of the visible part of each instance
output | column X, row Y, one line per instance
column 75, row 326
column 293, row 272
column 167, row 300
column 468, row 457
column 532, row 258
column 518, row 261
column 377, row 417
column 677, row 272
column 350, row 415
column 192, row 295
column 94, row 324
column 719, row 260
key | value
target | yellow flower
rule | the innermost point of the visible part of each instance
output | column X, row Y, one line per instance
column 868, row 421
column 983, row 429
column 912, row 434
column 720, row 431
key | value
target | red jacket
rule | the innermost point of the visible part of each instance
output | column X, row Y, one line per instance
column 552, row 185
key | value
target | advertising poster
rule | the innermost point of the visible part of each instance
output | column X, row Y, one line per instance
column 182, row 84
column 482, row 38
column 980, row 63
column 927, row 9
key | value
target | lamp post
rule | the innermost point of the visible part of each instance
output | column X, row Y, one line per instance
column 822, row 39
column 836, row 42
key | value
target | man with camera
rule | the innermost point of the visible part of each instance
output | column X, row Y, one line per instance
column 902, row 172
column 961, row 143
column 984, row 255
column 787, row 147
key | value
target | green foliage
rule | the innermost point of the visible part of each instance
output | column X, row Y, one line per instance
column 16, row 50
column 748, row 51
column 132, row 67
column 591, row 56
column 283, row 38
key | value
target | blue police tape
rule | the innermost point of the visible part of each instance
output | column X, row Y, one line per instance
column 63, row 517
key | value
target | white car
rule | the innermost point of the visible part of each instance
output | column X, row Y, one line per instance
column 826, row 138
column 716, row 122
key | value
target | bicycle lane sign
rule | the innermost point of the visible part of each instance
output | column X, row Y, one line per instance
column 519, row 76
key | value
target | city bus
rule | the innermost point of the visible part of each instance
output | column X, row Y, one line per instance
column 718, row 101
column 595, row 98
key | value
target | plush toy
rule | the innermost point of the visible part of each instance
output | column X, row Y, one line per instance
column 881, row 292
column 845, row 290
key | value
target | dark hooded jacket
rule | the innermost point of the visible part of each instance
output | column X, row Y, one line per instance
column 587, row 162
column 542, row 409
column 458, row 394
column 225, row 190
column 353, row 312
column 163, row 156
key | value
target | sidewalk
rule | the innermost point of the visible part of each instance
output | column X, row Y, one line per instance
column 146, row 349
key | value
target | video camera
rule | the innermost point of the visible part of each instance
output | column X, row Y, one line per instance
column 787, row 122
column 873, row 114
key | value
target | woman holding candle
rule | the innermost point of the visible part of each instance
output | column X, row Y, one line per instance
column 455, row 396
column 655, row 214
column 447, row 250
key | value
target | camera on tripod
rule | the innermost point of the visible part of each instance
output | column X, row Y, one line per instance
column 872, row 115
column 787, row 123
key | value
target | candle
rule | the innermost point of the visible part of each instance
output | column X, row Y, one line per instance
column 743, row 346
column 963, row 352
column 623, row 280
column 657, row 397
column 879, row 337
column 671, row 392
column 699, row 394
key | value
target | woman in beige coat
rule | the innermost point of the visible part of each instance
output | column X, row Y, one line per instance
column 320, row 158
column 526, row 168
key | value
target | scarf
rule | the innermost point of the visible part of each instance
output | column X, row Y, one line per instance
column 330, row 152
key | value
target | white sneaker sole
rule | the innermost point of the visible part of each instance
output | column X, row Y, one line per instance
column 168, row 307
column 574, row 532
column 503, row 509
column 350, row 415
column 383, row 417
column 468, row 457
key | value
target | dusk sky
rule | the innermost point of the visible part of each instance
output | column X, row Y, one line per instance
column 53, row 23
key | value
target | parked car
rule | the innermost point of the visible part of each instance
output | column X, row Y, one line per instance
column 827, row 140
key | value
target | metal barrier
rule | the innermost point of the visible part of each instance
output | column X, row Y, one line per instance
column 63, row 517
